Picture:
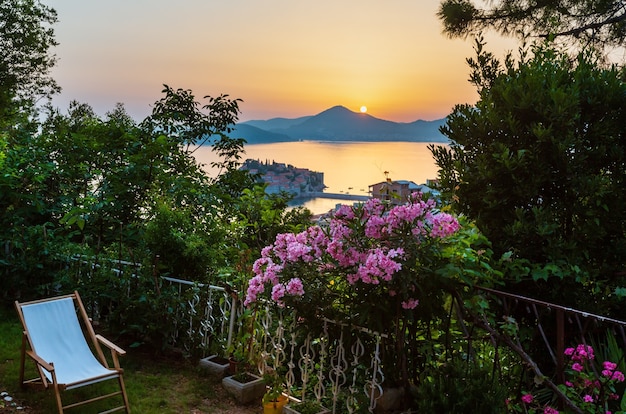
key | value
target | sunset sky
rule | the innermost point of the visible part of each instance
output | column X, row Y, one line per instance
column 284, row 58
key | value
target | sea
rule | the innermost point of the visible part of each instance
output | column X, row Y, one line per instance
column 349, row 168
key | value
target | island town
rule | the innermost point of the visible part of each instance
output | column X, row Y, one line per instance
column 302, row 182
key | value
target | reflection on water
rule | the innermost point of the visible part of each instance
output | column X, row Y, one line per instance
column 348, row 167
column 320, row 205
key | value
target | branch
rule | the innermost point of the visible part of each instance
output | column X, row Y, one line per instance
column 528, row 360
column 578, row 30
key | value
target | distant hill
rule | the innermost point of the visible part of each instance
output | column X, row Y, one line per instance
column 254, row 135
column 277, row 123
column 340, row 124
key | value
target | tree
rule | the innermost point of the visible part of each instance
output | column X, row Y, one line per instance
column 540, row 163
column 100, row 184
column 598, row 22
column 26, row 37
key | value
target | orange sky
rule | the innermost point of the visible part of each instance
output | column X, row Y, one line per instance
column 284, row 58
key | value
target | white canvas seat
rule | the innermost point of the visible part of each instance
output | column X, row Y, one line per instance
column 57, row 343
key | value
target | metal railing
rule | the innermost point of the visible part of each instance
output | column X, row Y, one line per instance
column 557, row 326
column 210, row 313
column 332, row 363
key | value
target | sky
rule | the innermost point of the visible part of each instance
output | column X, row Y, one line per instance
column 283, row 58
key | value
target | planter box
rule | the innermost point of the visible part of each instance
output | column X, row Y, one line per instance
column 215, row 365
column 293, row 409
column 245, row 392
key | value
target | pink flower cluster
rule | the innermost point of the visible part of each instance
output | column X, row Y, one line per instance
column 610, row 371
column 410, row 303
column 528, row 399
column 581, row 353
column 365, row 244
column 584, row 386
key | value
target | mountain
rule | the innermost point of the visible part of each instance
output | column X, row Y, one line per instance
column 341, row 124
column 277, row 123
column 254, row 135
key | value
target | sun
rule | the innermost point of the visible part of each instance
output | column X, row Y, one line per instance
column 363, row 109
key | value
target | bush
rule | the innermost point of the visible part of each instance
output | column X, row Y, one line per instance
column 460, row 387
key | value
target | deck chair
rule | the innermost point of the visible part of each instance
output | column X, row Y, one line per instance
column 56, row 342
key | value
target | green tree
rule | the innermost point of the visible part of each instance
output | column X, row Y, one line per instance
column 598, row 22
column 104, row 186
column 540, row 163
column 26, row 39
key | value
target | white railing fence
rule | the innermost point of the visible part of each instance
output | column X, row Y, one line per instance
column 336, row 364
column 206, row 316
column 330, row 365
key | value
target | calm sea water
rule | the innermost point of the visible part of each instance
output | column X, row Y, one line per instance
column 348, row 167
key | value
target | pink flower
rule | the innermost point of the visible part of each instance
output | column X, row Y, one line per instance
column 581, row 353
column 374, row 244
column 610, row 371
column 444, row 225
column 613, row 375
column 410, row 304
column 527, row 398
column 374, row 227
column 577, row 367
column 609, row 365
column 550, row 410
column 256, row 286
column 295, row 287
column 278, row 291
column 588, row 398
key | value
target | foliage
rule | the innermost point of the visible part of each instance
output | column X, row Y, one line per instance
column 262, row 216
column 386, row 268
column 602, row 23
column 308, row 407
column 241, row 348
column 538, row 163
column 188, row 247
column 26, row 37
column 29, row 240
column 275, row 385
column 80, row 190
column 459, row 387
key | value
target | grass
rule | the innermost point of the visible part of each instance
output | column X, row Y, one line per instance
column 155, row 383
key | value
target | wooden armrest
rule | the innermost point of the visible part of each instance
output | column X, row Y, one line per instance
column 45, row 365
column 110, row 345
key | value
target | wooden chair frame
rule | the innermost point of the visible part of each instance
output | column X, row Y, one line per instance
column 48, row 373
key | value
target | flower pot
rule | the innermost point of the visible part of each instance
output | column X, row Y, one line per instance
column 275, row 407
column 233, row 366
column 245, row 387
column 293, row 409
column 216, row 366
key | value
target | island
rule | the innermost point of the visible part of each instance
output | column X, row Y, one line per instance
column 300, row 182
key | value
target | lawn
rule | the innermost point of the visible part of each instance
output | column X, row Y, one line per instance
column 156, row 382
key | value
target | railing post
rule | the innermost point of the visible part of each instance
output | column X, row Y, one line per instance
column 233, row 318
column 560, row 345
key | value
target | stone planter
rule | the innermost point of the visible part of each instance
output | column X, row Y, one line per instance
column 293, row 409
column 215, row 365
column 245, row 392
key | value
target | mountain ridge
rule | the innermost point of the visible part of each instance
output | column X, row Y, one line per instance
column 339, row 124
